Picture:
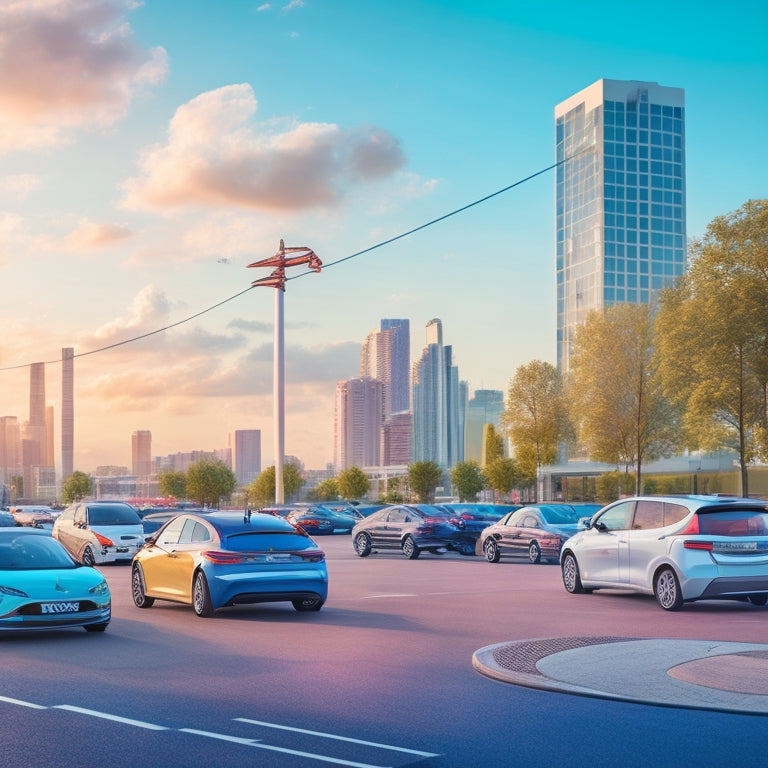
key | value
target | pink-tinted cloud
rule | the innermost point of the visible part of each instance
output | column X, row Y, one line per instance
column 67, row 64
column 90, row 235
column 217, row 156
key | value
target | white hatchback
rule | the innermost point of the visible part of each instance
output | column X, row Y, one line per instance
column 95, row 532
column 678, row 548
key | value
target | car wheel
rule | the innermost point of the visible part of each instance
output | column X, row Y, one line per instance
column 571, row 577
column 96, row 627
column 534, row 552
column 491, row 551
column 88, row 556
column 758, row 599
column 138, row 589
column 201, row 596
column 363, row 544
column 308, row 604
column 410, row 548
column 667, row 590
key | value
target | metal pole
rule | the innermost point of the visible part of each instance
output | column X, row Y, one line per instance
column 279, row 397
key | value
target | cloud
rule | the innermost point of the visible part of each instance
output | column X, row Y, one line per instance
column 90, row 235
column 19, row 185
column 216, row 156
column 67, row 65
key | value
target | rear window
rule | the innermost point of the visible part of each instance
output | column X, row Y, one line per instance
column 113, row 514
column 268, row 541
column 734, row 523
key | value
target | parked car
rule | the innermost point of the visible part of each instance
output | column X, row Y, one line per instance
column 474, row 518
column 215, row 560
column 411, row 528
column 6, row 519
column 535, row 532
column 95, row 532
column 678, row 548
column 42, row 587
column 153, row 521
column 34, row 515
column 319, row 519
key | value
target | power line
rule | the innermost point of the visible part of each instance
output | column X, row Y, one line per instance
column 308, row 272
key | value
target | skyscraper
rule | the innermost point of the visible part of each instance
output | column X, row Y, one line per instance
column 67, row 411
column 245, row 445
column 141, row 452
column 400, row 363
column 358, row 421
column 485, row 407
column 439, row 402
column 620, row 199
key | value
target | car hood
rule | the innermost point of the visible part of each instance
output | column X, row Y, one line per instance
column 54, row 583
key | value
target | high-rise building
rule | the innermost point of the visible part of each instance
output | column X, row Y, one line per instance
column 141, row 452
column 245, row 445
column 400, row 363
column 439, row 402
column 376, row 363
column 486, row 407
column 397, row 439
column 37, row 395
column 358, row 422
column 67, row 411
column 10, row 449
column 620, row 199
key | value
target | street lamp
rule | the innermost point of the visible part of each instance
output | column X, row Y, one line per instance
column 276, row 279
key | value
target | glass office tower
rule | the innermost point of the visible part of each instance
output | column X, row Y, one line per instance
column 620, row 199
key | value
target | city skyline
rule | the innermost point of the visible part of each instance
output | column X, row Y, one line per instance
column 207, row 134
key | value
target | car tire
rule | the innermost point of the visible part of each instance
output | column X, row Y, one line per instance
column 534, row 552
column 571, row 576
column 96, row 627
column 758, row 599
column 308, row 604
column 362, row 544
column 88, row 557
column 667, row 590
column 138, row 589
column 410, row 548
column 491, row 550
column 201, row 596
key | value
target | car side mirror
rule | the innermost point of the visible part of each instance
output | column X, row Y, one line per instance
column 600, row 526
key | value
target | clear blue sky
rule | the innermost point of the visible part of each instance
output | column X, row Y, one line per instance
column 150, row 151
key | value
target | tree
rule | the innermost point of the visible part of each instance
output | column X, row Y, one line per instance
column 503, row 475
column 208, row 482
column 77, row 486
column 262, row 490
column 326, row 490
column 172, row 484
column 713, row 331
column 468, row 479
column 536, row 417
column 353, row 483
column 493, row 444
column 423, row 478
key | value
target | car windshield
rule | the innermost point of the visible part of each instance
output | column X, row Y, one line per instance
column 429, row 510
column 267, row 541
column 734, row 523
column 113, row 514
column 560, row 515
column 24, row 552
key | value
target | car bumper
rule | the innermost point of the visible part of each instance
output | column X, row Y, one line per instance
column 28, row 618
column 272, row 586
column 117, row 554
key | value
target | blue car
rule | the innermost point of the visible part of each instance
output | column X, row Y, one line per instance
column 42, row 587
column 214, row 560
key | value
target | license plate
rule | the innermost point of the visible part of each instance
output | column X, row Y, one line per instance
column 70, row 607
column 277, row 558
column 121, row 549
column 735, row 546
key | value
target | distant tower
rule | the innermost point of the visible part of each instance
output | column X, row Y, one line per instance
column 400, row 364
column 67, row 411
column 141, row 451
column 245, row 445
column 358, row 422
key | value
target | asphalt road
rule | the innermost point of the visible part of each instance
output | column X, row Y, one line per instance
column 382, row 676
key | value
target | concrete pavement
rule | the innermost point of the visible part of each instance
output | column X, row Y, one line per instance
column 697, row 674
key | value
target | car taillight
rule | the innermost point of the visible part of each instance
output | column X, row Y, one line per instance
column 103, row 540
column 217, row 557
column 313, row 555
column 706, row 545
column 692, row 529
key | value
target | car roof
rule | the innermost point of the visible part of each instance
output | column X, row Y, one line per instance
column 226, row 524
column 24, row 531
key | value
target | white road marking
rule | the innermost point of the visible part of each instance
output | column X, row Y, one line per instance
column 339, row 738
column 116, row 718
column 21, row 703
column 255, row 743
column 374, row 597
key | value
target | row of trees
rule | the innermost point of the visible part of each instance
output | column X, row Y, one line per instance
column 649, row 381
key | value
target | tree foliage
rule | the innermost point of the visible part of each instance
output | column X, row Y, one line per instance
column 326, row 490
column 77, row 486
column 536, row 416
column 423, row 478
column 468, row 479
column 262, row 490
column 503, row 475
column 353, row 483
column 713, row 329
column 208, row 482
column 617, row 403
column 493, row 444
column 171, row 483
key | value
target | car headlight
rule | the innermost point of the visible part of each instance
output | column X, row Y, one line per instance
column 100, row 589
column 12, row 591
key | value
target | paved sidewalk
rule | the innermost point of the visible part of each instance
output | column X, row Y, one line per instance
column 697, row 674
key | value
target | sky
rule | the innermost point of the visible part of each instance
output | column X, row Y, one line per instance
column 150, row 151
